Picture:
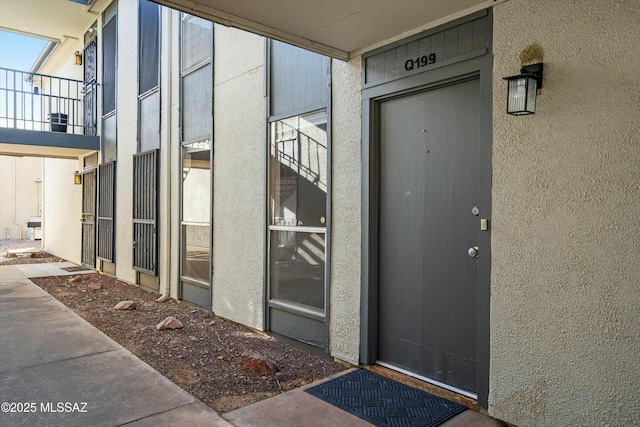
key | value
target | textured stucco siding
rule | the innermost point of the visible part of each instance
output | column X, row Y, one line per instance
column 20, row 194
column 565, row 294
column 127, row 135
column 344, row 323
column 62, row 209
column 169, row 243
column 238, row 177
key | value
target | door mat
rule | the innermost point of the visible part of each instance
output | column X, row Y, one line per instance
column 384, row 402
column 74, row 268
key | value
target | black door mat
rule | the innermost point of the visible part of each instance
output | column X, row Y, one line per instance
column 384, row 402
column 74, row 268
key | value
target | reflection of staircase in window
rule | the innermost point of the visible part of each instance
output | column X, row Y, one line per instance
column 290, row 153
column 288, row 185
column 302, row 170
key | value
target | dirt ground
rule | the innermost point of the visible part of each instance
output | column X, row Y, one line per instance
column 203, row 357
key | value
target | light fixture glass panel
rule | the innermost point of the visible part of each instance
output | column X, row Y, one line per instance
column 516, row 95
column 532, row 87
column 521, row 95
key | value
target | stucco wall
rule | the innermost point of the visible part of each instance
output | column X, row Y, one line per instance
column 62, row 209
column 127, row 134
column 20, row 194
column 173, row 193
column 238, row 177
column 169, row 209
column 344, row 323
column 565, row 300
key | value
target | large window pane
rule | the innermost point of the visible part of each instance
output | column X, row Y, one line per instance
column 196, row 183
column 109, row 66
column 196, row 210
column 196, row 108
column 196, row 41
column 297, row 267
column 195, row 252
column 299, row 170
column 150, row 122
column 148, row 46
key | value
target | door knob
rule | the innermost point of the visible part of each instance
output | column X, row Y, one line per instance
column 473, row 252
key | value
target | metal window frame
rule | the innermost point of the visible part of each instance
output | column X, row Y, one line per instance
column 285, row 306
column 183, row 74
column 105, row 22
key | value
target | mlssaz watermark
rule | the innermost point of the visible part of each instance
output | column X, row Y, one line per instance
column 45, row 407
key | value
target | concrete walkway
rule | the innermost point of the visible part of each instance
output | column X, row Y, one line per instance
column 56, row 369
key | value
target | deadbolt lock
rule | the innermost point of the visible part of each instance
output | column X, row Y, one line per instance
column 473, row 252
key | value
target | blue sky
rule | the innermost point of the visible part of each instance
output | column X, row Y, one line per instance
column 19, row 52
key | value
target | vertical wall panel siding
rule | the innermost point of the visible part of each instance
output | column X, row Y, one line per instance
column 449, row 45
column 299, row 80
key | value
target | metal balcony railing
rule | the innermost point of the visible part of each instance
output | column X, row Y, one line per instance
column 39, row 102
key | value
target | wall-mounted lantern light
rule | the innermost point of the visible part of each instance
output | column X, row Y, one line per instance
column 78, row 57
column 522, row 90
column 77, row 178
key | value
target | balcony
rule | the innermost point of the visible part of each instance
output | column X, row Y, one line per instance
column 47, row 116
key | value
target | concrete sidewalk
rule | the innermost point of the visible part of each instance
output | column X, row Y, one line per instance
column 56, row 369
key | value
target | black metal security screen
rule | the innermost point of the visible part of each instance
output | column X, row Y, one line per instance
column 145, row 212
column 106, row 205
column 90, row 91
column 88, row 257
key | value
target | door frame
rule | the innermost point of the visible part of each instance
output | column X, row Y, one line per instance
column 371, row 99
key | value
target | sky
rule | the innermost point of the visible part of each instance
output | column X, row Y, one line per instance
column 19, row 52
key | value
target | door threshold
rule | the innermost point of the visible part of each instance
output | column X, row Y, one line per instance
column 437, row 388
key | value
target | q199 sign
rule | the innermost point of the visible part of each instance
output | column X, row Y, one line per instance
column 419, row 62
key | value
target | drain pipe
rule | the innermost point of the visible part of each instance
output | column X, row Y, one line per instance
column 15, row 192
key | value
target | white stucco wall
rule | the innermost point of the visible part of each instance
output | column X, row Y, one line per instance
column 20, row 195
column 344, row 321
column 127, row 134
column 62, row 209
column 169, row 203
column 169, row 270
column 238, row 177
column 565, row 300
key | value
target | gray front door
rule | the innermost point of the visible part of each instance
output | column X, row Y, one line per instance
column 429, row 186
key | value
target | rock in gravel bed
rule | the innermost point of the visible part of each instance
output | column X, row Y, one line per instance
column 258, row 364
column 126, row 305
column 169, row 323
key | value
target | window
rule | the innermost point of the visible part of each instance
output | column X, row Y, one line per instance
column 298, row 210
column 197, row 128
column 196, row 211
column 109, row 51
column 109, row 31
column 149, row 76
column 148, row 46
